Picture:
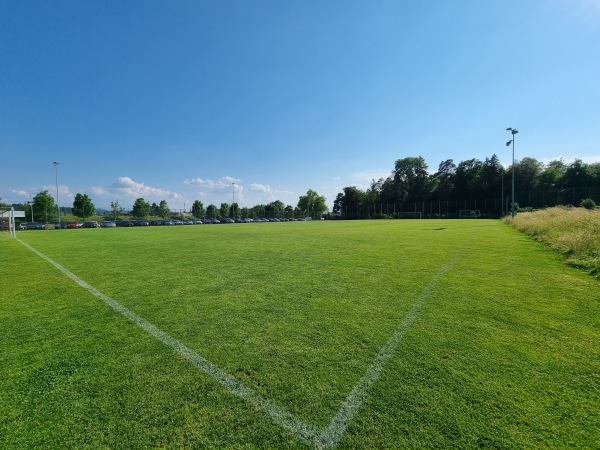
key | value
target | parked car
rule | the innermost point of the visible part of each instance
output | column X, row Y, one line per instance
column 90, row 224
column 108, row 224
column 59, row 224
column 34, row 226
column 73, row 225
column 188, row 222
column 198, row 222
column 124, row 223
column 141, row 223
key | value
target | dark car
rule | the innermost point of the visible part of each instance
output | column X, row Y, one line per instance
column 34, row 226
column 90, row 224
column 58, row 225
column 107, row 224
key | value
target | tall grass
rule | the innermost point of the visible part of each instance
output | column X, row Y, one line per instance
column 573, row 232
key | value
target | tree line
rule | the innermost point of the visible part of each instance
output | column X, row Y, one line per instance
column 536, row 184
column 44, row 208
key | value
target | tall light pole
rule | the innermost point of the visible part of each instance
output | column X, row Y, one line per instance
column 57, row 201
column 31, row 206
column 233, row 199
column 512, row 141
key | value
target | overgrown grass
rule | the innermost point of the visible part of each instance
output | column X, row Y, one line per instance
column 503, row 353
column 573, row 232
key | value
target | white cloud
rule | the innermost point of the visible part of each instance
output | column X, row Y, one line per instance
column 64, row 192
column 21, row 193
column 126, row 188
column 221, row 183
column 255, row 187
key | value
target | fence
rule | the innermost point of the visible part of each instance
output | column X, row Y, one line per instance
column 488, row 208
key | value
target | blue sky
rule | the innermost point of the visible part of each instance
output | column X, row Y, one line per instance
column 176, row 100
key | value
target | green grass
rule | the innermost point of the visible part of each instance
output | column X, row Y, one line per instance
column 503, row 353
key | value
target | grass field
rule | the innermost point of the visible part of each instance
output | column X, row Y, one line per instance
column 390, row 334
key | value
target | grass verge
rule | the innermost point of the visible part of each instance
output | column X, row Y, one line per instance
column 573, row 232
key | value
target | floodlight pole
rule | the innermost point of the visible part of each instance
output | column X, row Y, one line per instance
column 57, row 200
column 233, row 199
column 31, row 206
column 512, row 141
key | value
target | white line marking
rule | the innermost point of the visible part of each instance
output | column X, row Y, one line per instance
column 331, row 435
column 326, row 438
column 297, row 427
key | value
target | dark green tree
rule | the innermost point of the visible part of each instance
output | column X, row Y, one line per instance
column 44, row 208
column 411, row 179
column 198, row 209
column 312, row 202
column 234, row 211
column 467, row 179
column 443, row 180
column 224, row 210
column 83, row 206
column 275, row 209
column 141, row 209
column 212, row 211
column 163, row 210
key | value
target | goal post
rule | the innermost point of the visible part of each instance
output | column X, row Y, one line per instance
column 469, row 213
column 7, row 218
column 408, row 215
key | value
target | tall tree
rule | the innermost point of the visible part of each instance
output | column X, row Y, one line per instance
column 212, row 211
column 163, row 210
column 224, row 210
column 141, row 209
column 527, row 171
column 411, row 180
column 197, row 209
column 312, row 202
column 83, row 206
column 44, row 207
column 275, row 209
column 467, row 179
column 491, row 177
column 443, row 180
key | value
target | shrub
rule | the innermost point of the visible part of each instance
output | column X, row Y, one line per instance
column 588, row 203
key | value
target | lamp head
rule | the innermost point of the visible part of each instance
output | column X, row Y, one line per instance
column 508, row 143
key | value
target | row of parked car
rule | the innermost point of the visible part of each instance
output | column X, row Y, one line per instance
column 145, row 223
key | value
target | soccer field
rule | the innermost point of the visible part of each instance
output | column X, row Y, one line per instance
column 406, row 333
